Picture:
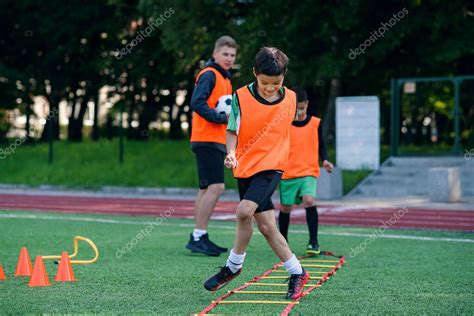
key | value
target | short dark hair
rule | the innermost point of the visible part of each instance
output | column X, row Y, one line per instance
column 301, row 95
column 225, row 41
column 271, row 61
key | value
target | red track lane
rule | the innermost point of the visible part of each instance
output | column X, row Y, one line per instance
column 329, row 214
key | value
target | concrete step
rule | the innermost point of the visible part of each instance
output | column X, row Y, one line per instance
column 396, row 180
column 467, row 181
column 466, row 172
column 376, row 190
column 467, row 188
column 429, row 162
column 408, row 176
column 397, row 171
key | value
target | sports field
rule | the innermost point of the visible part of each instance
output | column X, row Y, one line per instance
column 421, row 271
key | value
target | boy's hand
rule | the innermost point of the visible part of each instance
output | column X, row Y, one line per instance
column 328, row 166
column 231, row 161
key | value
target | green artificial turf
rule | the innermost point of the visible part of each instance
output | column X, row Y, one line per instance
column 159, row 275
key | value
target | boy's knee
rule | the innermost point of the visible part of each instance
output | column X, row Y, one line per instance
column 285, row 209
column 217, row 188
column 308, row 201
column 266, row 229
column 244, row 213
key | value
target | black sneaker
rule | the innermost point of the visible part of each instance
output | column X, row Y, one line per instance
column 202, row 246
column 313, row 249
column 216, row 247
column 296, row 285
column 220, row 279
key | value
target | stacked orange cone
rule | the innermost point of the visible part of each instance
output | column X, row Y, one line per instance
column 39, row 276
column 65, row 273
column 2, row 273
column 23, row 267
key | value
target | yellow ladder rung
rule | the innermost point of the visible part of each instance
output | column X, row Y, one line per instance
column 256, row 302
column 317, row 266
column 276, row 284
column 284, row 271
column 316, row 260
column 258, row 292
column 285, row 277
column 313, row 266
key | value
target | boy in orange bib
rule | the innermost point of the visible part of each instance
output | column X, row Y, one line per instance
column 298, row 184
column 212, row 92
column 258, row 143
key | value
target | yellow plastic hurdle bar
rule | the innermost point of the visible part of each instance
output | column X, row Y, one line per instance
column 76, row 250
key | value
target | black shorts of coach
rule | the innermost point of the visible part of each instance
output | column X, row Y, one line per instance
column 259, row 188
column 210, row 166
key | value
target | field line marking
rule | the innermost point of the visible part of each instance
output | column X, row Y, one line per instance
column 125, row 222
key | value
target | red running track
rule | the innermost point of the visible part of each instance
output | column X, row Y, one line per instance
column 329, row 214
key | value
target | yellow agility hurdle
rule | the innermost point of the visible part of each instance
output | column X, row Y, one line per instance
column 76, row 250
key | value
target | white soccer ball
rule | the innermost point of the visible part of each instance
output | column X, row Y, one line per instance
column 224, row 104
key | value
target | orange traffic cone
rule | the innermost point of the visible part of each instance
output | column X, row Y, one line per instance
column 2, row 273
column 65, row 273
column 39, row 276
column 23, row 267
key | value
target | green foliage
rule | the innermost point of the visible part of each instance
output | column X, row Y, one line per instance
column 68, row 51
column 95, row 164
column 350, row 178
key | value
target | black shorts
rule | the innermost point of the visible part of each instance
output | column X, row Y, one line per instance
column 210, row 166
column 259, row 188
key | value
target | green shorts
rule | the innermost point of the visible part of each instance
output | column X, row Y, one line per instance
column 292, row 190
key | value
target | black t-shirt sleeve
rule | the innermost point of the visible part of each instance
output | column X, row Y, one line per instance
column 323, row 155
column 201, row 93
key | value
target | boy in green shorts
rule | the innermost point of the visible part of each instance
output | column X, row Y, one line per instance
column 299, row 181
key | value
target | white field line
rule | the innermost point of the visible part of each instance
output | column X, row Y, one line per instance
column 124, row 222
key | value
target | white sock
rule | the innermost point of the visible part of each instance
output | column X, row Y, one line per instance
column 293, row 265
column 197, row 233
column 235, row 261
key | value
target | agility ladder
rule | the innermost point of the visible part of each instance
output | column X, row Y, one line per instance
column 275, row 273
